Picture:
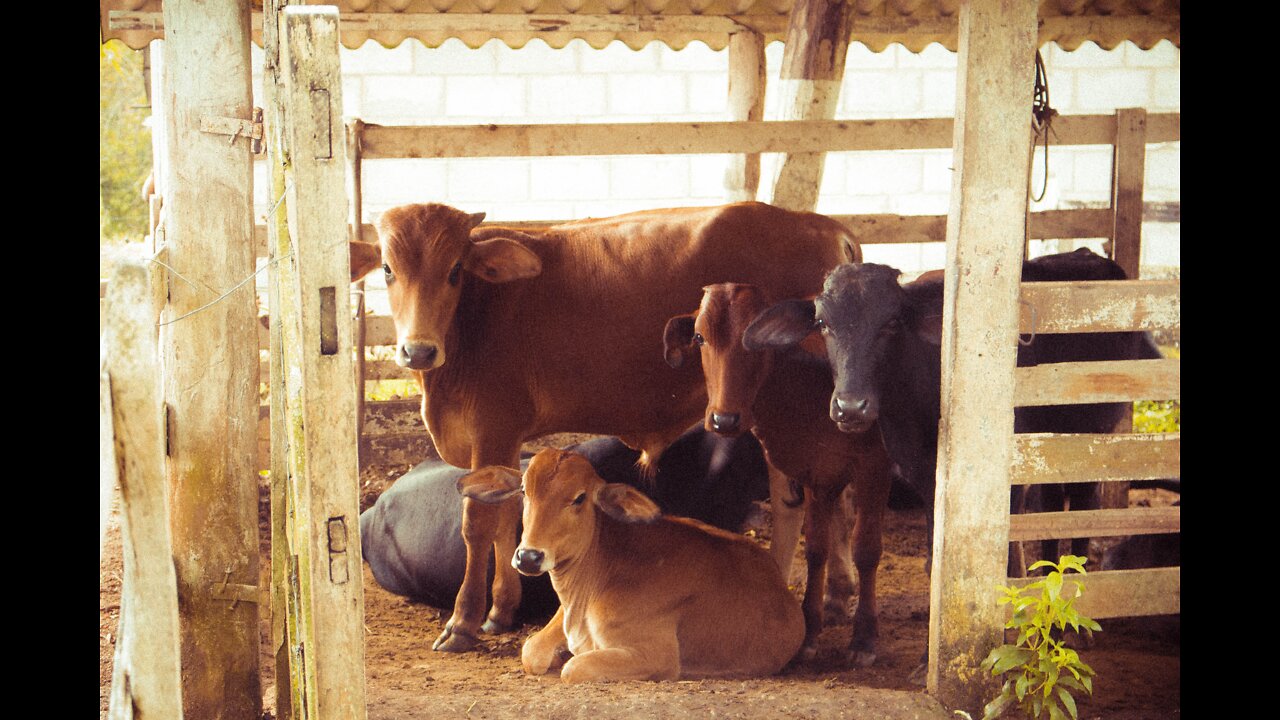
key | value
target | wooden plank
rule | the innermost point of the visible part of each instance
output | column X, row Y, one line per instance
column 1094, row 382
column 1050, row 458
column 1126, row 593
column 1095, row 523
column 818, row 34
column 149, row 682
column 673, row 138
column 355, row 195
column 210, row 355
column 319, row 402
column 1128, row 168
column 380, row 330
column 1100, row 306
column 746, row 103
column 985, row 236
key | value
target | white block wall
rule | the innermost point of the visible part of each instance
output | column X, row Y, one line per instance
column 452, row 84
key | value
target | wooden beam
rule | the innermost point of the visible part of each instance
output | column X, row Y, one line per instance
column 210, row 355
column 355, row 194
column 1128, row 167
column 746, row 103
column 1095, row 523
column 1072, row 383
column 1050, row 458
column 319, row 399
column 1100, row 306
column 673, row 138
column 985, row 236
column 148, row 679
column 1126, row 593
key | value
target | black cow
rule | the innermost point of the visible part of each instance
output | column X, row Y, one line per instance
column 412, row 536
column 883, row 341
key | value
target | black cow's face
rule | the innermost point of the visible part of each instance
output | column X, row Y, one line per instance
column 862, row 313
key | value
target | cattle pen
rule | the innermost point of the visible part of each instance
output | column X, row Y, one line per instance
column 180, row 416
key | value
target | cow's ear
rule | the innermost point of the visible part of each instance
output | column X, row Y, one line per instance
column 491, row 484
column 626, row 504
column 364, row 258
column 502, row 260
column 782, row 325
column 924, row 315
column 677, row 340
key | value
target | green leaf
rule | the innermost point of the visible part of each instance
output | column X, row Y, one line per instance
column 1055, row 712
column 1068, row 702
column 1005, row 657
column 1070, row 682
column 996, row 707
column 1039, row 564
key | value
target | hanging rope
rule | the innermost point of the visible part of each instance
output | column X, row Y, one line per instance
column 1042, row 115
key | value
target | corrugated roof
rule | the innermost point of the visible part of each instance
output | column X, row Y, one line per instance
column 877, row 23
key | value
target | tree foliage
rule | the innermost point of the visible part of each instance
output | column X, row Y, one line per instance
column 124, row 143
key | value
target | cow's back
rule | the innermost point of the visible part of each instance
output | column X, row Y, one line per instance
column 587, row 332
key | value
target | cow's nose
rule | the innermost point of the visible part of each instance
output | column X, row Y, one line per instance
column 853, row 414
column 528, row 561
column 725, row 422
column 842, row 409
column 417, row 356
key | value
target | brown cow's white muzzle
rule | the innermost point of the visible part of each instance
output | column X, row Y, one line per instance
column 528, row 561
column 417, row 355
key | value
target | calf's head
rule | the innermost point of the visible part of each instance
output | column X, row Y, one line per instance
column 427, row 253
column 734, row 374
column 563, row 501
column 864, row 315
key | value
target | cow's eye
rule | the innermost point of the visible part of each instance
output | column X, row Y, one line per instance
column 582, row 497
column 821, row 326
column 892, row 326
column 698, row 339
column 386, row 272
column 456, row 273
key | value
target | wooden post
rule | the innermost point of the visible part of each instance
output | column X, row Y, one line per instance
column 746, row 102
column 985, row 232
column 147, row 681
column 211, row 356
column 327, row 626
column 1128, row 171
column 812, row 73
column 355, row 185
column 288, row 687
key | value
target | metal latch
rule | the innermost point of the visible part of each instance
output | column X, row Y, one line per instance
column 251, row 130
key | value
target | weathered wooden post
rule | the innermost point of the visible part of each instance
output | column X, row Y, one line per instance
column 812, row 73
column 147, row 682
column 211, row 353
column 746, row 103
column 325, row 598
column 985, row 231
column 288, row 687
column 355, row 191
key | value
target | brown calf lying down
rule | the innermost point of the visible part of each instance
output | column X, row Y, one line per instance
column 642, row 596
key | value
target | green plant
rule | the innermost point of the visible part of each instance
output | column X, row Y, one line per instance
column 1041, row 672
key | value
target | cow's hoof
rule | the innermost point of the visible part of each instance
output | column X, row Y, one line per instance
column 860, row 658
column 493, row 627
column 455, row 640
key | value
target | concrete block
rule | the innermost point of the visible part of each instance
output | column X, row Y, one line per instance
column 1163, row 172
column 861, row 58
column 647, row 94
column 569, row 179
column 695, row 57
column 938, row 97
column 1166, row 91
column 484, row 97
column 1088, row 55
column 372, row 58
column 937, row 171
column 616, row 57
column 709, row 95
column 537, row 58
column 494, row 181
column 933, row 57
column 1163, row 54
column 876, row 173
column 649, row 177
column 453, row 57
column 388, row 183
column 562, row 97
column 882, row 94
column 403, row 100
column 1107, row 90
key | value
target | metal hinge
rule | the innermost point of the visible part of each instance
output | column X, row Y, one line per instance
column 250, row 130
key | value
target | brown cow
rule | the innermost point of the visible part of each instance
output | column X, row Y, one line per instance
column 781, row 396
column 642, row 596
column 517, row 334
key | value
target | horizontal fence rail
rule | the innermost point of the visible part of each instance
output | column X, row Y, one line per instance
column 1071, row 383
column 1100, row 306
column 1094, row 523
column 1126, row 593
column 1051, row 458
column 729, row 137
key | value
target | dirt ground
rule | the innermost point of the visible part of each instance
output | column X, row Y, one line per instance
column 1137, row 660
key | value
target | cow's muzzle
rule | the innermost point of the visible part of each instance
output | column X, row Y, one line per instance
column 853, row 414
column 418, row 355
column 528, row 561
column 724, row 423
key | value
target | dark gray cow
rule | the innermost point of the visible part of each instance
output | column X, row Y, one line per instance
column 412, row 536
column 883, row 342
